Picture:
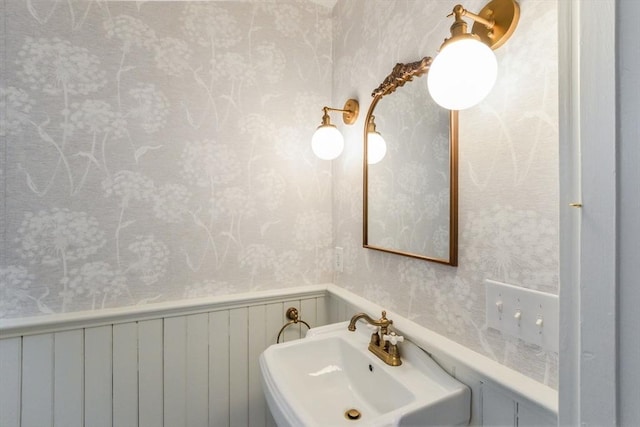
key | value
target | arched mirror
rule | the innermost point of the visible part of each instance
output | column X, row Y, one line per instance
column 411, row 194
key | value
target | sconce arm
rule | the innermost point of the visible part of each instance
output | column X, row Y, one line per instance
column 327, row 109
column 349, row 112
column 493, row 25
column 459, row 11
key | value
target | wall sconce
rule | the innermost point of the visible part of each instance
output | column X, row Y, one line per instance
column 327, row 142
column 376, row 145
column 465, row 70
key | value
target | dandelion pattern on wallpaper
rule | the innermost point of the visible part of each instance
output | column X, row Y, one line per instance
column 508, row 176
column 158, row 151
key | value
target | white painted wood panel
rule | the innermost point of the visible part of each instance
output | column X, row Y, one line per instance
column 256, row 345
column 628, row 63
column 308, row 313
column 274, row 320
column 597, row 300
column 322, row 313
column 175, row 370
column 332, row 309
column 125, row 374
column 238, row 367
column 589, row 244
column 497, row 409
column 219, row 380
column 98, row 376
column 530, row 416
column 339, row 310
column 37, row 381
column 197, row 370
column 150, row 374
column 68, row 391
column 10, row 381
column 192, row 361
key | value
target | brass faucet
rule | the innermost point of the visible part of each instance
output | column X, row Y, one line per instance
column 383, row 343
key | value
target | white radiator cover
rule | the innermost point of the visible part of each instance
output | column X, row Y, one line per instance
column 196, row 364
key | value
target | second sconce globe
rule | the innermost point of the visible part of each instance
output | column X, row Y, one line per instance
column 327, row 142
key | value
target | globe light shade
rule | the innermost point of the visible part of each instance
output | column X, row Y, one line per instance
column 327, row 142
column 376, row 147
column 462, row 74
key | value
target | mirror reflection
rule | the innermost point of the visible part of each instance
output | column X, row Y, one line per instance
column 411, row 191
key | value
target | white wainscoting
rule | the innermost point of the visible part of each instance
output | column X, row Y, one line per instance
column 195, row 363
column 197, row 366
column 499, row 396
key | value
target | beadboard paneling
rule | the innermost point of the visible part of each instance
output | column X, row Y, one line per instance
column 37, row 380
column 194, row 369
column 11, row 385
column 68, row 377
column 197, row 365
column 219, row 357
column 98, row 374
column 150, row 383
column 125, row 374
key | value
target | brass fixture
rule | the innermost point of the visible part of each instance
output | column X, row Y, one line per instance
column 327, row 141
column 401, row 74
column 292, row 315
column 374, row 204
column 383, row 343
column 352, row 414
column 495, row 23
column 575, row 205
column 465, row 70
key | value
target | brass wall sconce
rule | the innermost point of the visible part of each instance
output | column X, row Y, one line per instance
column 465, row 70
column 327, row 141
column 376, row 145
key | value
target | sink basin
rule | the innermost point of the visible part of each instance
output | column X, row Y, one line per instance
column 330, row 378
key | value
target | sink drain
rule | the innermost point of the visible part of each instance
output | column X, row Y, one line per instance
column 352, row 414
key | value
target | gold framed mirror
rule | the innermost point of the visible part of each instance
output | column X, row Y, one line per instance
column 411, row 194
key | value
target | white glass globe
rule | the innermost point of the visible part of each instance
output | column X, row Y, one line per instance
column 376, row 148
column 462, row 74
column 327, row 142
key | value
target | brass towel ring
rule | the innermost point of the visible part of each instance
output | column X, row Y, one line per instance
column 292, row 314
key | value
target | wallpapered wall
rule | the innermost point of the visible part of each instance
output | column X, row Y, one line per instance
column 154, row 151
column 508, row 175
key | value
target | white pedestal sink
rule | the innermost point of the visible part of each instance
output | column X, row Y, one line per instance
column 330, row 378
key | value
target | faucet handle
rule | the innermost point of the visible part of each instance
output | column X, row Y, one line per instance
column 393, row 338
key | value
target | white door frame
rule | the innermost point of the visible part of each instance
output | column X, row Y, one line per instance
column 587, row 68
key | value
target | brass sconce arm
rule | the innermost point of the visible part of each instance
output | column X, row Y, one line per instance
column 459, row 11
column 494, row 24
column 349, row 112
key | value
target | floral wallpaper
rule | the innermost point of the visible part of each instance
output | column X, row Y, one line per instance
column 508, row 177
column 154, row 151
column 158, row 150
